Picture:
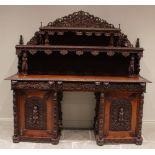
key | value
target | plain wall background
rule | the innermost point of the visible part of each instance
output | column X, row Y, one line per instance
column 136, row 21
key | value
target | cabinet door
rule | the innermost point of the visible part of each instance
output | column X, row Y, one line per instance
column 35, row 114
column 120, row 115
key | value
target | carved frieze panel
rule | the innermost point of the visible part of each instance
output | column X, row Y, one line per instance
column 35, row 113
column 120, row 115
column 89, row 86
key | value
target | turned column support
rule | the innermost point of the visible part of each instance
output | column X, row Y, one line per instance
column 59, row 99
column 16, row 138
column 139, row 138
column 100, row 121
column 55, row 134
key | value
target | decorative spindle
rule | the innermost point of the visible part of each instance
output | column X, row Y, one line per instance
column 21, row 42
column 119, row 26
column 137, row 43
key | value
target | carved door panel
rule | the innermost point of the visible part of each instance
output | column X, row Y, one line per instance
column 35, row 114
column 120, row 115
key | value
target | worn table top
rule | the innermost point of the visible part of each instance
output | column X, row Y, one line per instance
column 77, row 78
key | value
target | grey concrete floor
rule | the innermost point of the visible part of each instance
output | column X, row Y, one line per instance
column 74, row 139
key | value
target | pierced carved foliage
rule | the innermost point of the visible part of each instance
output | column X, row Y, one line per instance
column 80, row 19
column 120, row 115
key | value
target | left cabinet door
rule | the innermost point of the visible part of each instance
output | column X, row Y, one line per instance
column 36, row 118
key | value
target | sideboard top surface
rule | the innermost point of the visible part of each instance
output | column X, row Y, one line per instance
column 74, row 78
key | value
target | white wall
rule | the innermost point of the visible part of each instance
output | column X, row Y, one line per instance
column 136, row 21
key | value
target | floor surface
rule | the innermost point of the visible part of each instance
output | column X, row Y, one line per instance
column 74, row 139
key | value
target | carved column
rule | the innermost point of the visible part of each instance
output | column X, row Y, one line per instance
column 55, row 134
column 16, row 123
column 139, row 138
column 100, row 119
column 59, row 99
column 97, row 97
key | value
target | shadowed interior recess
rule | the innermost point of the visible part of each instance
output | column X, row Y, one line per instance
column 71, row 64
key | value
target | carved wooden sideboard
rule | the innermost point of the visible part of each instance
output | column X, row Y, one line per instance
column 78, row 52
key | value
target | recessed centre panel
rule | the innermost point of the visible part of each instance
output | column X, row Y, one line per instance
column 78, row 110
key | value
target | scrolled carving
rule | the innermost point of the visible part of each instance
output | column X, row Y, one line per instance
column 110, row 53
column 32, row 51
column 60, row 33
column 31, row 85
column 90, row 86
column 37, row 39
column 124, row 41
column 80, row 19
column 95, row 53
column 89, row 33
column 48, row 52
column 79, row 53
column 63, row 52
column 125, row 54
column 79, row 33
column 98, row 34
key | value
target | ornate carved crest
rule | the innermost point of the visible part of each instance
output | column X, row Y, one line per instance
column 80, row 19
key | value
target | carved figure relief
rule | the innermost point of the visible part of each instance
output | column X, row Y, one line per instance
column 35, row 113
column 132, row 66
column 24, row 64
column 120, row 115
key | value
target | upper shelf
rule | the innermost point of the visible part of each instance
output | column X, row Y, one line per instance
column 80, row 28
column 78, row 50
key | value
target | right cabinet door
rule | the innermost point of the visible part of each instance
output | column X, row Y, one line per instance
column 120, row 115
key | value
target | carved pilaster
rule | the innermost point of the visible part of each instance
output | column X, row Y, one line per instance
column 139, row 138
column 55, row 134
column 100, row 134
column 97, row 97
column 15, row 113
column 59, row 99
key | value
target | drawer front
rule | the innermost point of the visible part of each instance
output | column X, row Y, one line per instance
column 120, row 115
column 35, row 113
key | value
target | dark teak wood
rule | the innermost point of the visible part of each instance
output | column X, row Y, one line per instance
column 78, row 52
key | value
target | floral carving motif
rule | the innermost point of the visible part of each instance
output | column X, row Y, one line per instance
column 80, row 19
